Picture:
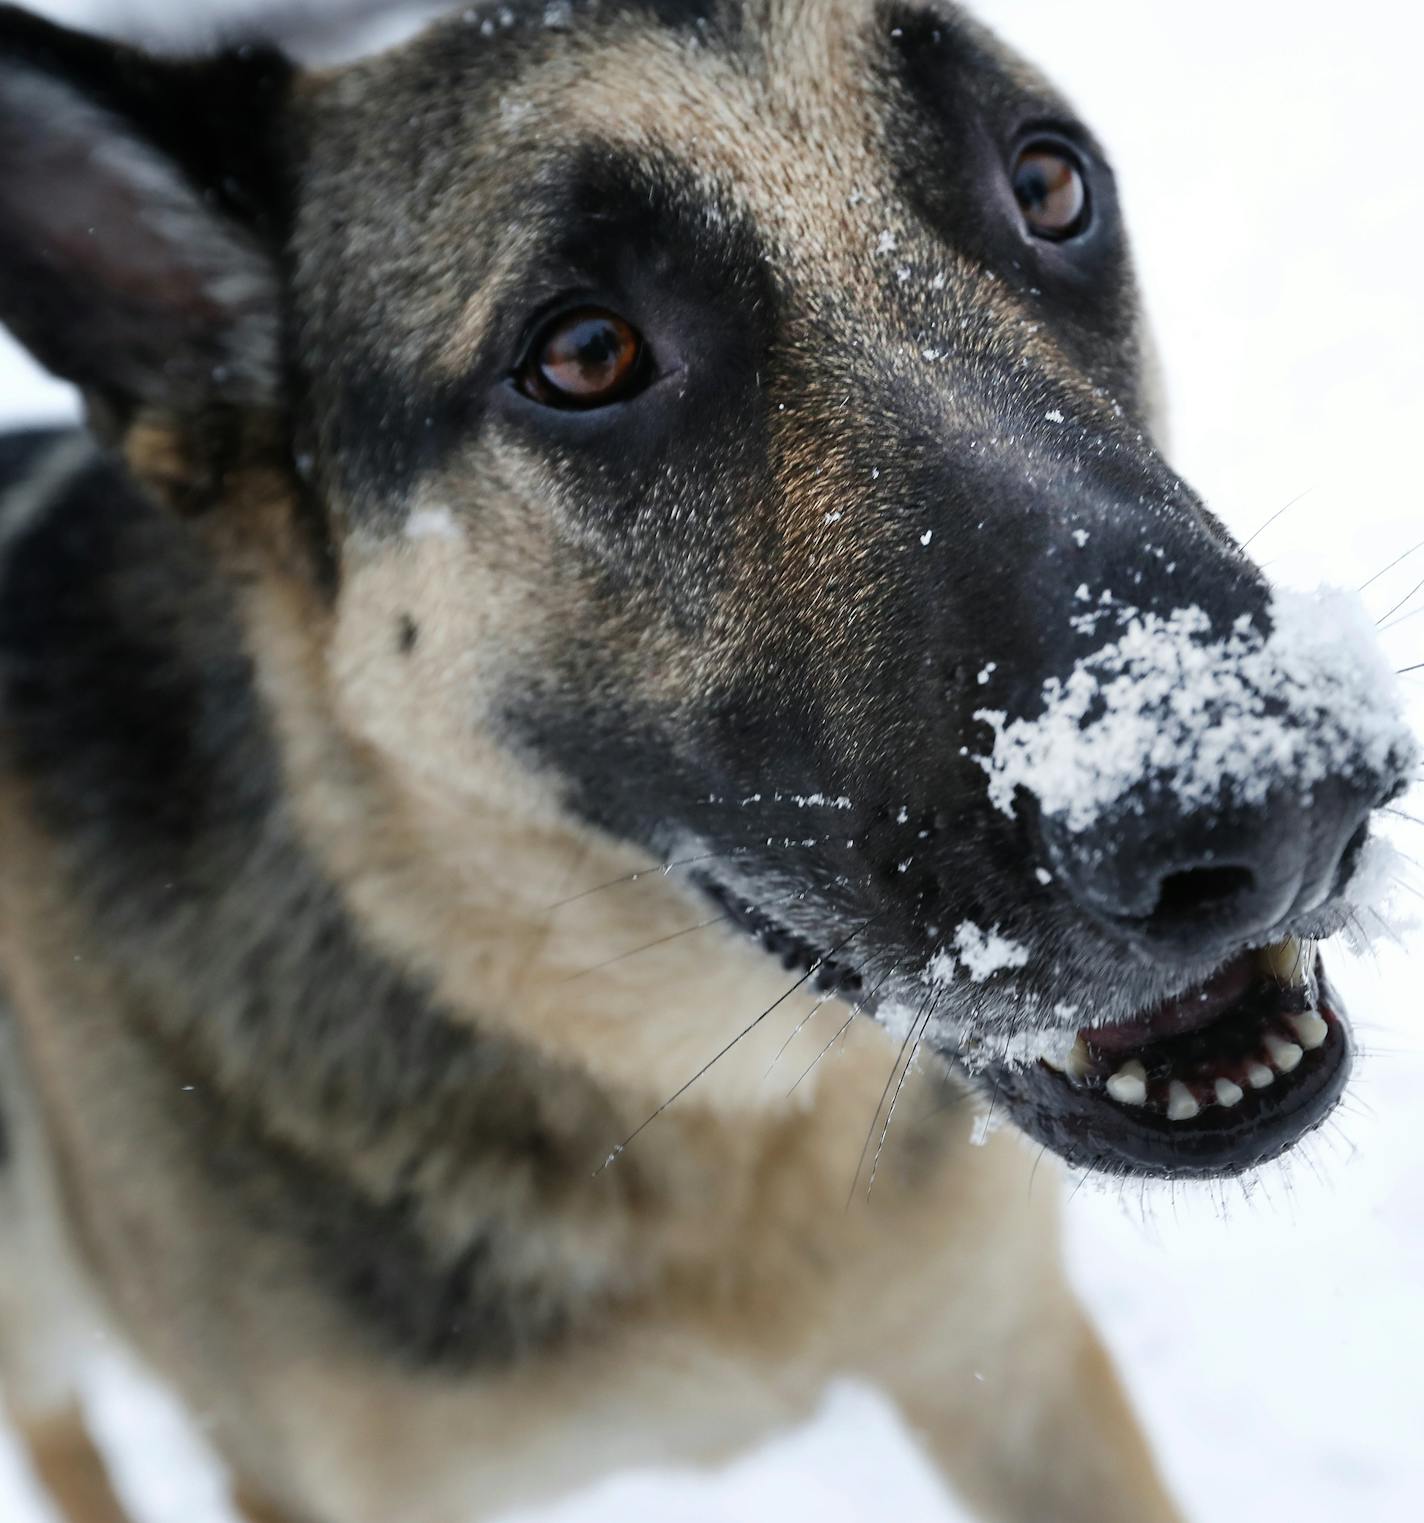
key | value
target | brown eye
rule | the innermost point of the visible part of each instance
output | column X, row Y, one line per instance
column 586, row 358
column 1051, row 191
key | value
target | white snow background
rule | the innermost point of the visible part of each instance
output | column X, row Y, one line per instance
column 1273, row 1336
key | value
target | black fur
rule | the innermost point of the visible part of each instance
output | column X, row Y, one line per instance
column 131, row 716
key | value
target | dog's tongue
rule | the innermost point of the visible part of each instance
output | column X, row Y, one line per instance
column 1188, row 1012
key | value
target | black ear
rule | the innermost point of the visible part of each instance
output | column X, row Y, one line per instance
column 142, row 215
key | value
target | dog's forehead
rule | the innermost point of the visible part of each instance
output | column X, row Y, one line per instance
column 800, row 116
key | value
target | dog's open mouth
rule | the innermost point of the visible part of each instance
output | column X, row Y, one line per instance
column 1220, row 1079
column 1223, row 1078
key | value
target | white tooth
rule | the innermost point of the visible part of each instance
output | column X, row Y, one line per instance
column 1128, row 1086
column 1310, row 1030
column 1287, row 962
column 1258, row 1076
column 1229, row 1094
column 1077, row 1062
column 1180, row 1104
column 1285, row 1055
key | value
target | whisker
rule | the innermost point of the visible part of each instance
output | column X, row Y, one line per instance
column 687, row 930
column 1246, row 545
column 884, row 1095
column 648, row 946
column 858, row 1008
column 796, row 1030
column 1365, row 586
column 1386, row 927
column 665, row 868
column 1033, row 1173
column 776, row 1004
column 890, row 1114
column 1384, row 629
column 1408, row 597
column 993, row 1102
column 1404, row 671
column 645, row 872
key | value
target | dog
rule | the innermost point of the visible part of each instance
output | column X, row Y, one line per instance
column 617, row 678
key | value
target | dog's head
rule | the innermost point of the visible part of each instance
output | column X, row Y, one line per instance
column 736, row 417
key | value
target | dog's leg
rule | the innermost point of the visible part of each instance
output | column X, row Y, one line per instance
column 70, row 1469
column 45, row 1308
column 1069, row 1448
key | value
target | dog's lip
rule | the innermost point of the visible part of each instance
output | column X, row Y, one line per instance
column 1219, row 1081
column 830, row 974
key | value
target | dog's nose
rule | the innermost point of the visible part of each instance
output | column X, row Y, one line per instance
column 1201, row 885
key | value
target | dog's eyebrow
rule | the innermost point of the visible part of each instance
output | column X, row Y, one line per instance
column 607, row 219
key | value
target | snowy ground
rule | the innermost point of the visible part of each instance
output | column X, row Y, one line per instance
column 1274, row 1339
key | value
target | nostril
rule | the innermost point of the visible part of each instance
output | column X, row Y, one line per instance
column 1184, row 896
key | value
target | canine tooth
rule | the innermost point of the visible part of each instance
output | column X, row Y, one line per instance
column 1181, row 1105
column 1077, row 1062
column 1288, row 962
column 1229, row 1094
column 1310, row 1030
column 1258, row 1076
column 1285, row 1055
column 1128, row 1086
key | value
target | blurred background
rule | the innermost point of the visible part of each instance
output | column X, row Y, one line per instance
column 1272, row 1331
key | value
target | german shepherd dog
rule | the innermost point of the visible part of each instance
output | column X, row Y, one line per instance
column 522, row 859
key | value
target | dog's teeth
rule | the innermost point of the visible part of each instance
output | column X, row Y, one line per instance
column 1258, row 1076
column 1181, row 1104
column 1285, row 1055
column 1288, row 962
column 1229, row 1094
column 1077, row 1062
column 1128, row 1086
column 1310, row 1030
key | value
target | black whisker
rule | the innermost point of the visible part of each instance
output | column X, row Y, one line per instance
column 1246, row 545
column 663, row 869
column 859, row 1008
column 645, row 872
column 1395, row 562
column 1404, row 671
column 647, row 946
column 1384, row 629
column 904, row 1074
column 1408, row 598
column 776, row 1004
column 796, row 1031
column 687, row 930
column 885, row 1095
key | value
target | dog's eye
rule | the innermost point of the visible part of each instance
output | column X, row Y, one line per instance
column 586, row 358
column 1052, row 191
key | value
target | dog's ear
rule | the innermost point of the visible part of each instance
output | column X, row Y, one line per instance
column 142, row 213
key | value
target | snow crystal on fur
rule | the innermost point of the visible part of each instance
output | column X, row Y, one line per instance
column 979, row 953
